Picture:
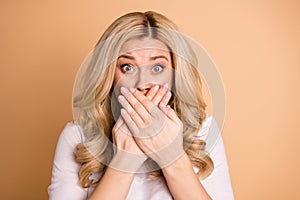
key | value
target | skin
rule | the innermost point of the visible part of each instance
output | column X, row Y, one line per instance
column 147, row 126
column 142, row 64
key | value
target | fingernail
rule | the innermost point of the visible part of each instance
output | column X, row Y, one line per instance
column 162, row 105
column 121, row 98
column 132, row 90
column 124, row 90
column 166, row 85
column 168, row 95
column 123, row 111
column 155, row 88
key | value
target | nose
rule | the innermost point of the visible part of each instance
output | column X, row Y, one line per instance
column 144, row 82
column 144, row 89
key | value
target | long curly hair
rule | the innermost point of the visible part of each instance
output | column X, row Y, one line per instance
column 92, row 94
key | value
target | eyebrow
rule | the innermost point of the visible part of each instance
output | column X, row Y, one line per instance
column 157, row 57
column 127, row 57
column 151, row 58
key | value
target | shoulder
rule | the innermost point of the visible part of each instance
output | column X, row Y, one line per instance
column 209, row 132
column 64, row 181
column 71, row 134
column 206, row 124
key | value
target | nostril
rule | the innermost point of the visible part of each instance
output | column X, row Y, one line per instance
column 143, row 90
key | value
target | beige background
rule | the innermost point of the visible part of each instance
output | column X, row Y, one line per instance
column 255, row 45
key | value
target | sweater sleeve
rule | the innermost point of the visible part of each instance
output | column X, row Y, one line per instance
column 218, row 183
column 65, row 180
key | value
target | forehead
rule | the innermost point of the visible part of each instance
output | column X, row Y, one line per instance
column 144, row 47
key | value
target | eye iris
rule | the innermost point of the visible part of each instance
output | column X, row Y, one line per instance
column 156, row 68
column 127, row 68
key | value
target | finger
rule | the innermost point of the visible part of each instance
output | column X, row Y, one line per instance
column 166, row 98
column 130, row 123
column 152, row 109
column 152, row 92
column 169, row 112
column 147, row 104
column 133, row 114
column 119, row 123
column 160, row 94
column 120, row 126
column 138, row 103
column 116, row 127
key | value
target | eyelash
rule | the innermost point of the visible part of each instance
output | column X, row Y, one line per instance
column 155, row 65
column 158, row 65
column 125, row 65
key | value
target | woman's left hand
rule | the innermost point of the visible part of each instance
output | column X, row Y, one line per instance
column 157, row 130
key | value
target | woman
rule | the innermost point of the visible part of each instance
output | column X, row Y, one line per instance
column 140, row 122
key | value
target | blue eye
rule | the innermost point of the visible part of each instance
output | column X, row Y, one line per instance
column 157, row 68
column 127, row 68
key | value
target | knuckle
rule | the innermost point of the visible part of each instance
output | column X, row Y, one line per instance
column 133, row 114
column 114, row 129
column 148, row 120
column 149, row 105
column 170, row 112
column 155, row 112
column 129, row 99
column 137, row 106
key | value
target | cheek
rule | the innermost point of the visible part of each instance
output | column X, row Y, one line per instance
column 116, row 85
column 121, row 80
column 118, row 75
column 170, row 77
column 166, row 77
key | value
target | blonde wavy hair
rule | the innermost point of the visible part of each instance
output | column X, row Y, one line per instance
column 92, row 94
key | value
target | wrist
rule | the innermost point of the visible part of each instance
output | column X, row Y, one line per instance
column 127, row 162
column 183, row 163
